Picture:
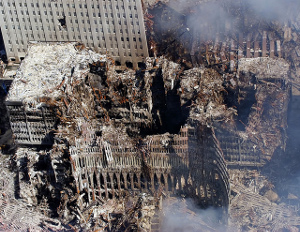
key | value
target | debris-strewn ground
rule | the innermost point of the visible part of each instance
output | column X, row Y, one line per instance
column 43, row 76
column 255, row 206
column 233, row 81
column 101, row 109
column 16, row 214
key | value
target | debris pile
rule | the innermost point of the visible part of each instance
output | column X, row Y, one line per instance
column 261, row 99
column 255, row 205
column 101, row 146
column 50, row 85
column 51, row 71
column 272, row 97
column 127, row 213
column 102, row 122
column 242, row 70
column 17, row 214
column 204, row 87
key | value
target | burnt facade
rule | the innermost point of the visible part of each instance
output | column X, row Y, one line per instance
column 31, row 127
column 188, row 163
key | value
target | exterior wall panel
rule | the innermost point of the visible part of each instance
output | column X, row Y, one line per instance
column 115, row 27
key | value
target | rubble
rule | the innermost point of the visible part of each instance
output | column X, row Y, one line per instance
column 48, row 76
column 255, row 206
column 102, row 124
column 112, row 132
column 17, row 214
column 205, row 88
column 261, row 100
column 106, row 148
column 265, row 68
column 48, row 80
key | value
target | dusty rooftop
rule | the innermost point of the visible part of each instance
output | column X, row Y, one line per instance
column 265, row 67
column 46, row 67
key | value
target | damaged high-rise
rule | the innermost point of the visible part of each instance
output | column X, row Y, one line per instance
column 112, row 27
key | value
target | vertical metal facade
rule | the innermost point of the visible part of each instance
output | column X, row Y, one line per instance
column 115, row 27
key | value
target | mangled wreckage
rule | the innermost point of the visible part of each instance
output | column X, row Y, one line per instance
column 104, row 147
column 93, row 133
column 90, row 132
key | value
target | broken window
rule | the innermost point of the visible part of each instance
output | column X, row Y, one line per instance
column 62, row 22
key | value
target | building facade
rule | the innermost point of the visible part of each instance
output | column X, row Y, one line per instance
column 115, row 27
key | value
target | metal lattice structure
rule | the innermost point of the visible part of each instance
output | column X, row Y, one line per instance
column 184, row 165
column 31, row 127
column 239, row 152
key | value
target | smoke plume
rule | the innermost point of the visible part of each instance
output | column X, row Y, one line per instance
column 184, row 215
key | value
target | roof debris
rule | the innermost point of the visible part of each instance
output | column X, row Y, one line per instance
column 50, row 69
column 104, row 147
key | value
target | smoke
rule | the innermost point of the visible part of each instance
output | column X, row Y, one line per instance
column 184, row 215
column 231, row 16
column 265, row 9
column 208, row 19
column 279, row 10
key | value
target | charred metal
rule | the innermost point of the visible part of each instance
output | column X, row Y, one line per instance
column 90, row 143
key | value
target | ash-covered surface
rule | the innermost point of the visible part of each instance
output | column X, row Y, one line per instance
column 16, row 214
column 258, row 205
column 130, row 147
column 117, row 129
column 46, row 67
column 118, row 133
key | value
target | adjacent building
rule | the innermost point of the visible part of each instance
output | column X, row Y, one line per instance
column 114, row 27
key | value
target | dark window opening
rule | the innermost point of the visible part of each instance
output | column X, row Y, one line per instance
column 129, row 64
column 141, row 65
column 62, row 22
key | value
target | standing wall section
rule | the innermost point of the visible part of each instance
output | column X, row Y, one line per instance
column 115, row 27
column 31, row 127
column 186, row 164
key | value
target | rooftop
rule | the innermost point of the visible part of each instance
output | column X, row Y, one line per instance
column 49, row 66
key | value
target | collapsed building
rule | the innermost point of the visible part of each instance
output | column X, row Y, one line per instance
column 102, row 130
column 107, row 137
column 100, row 147
column 267, row 81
